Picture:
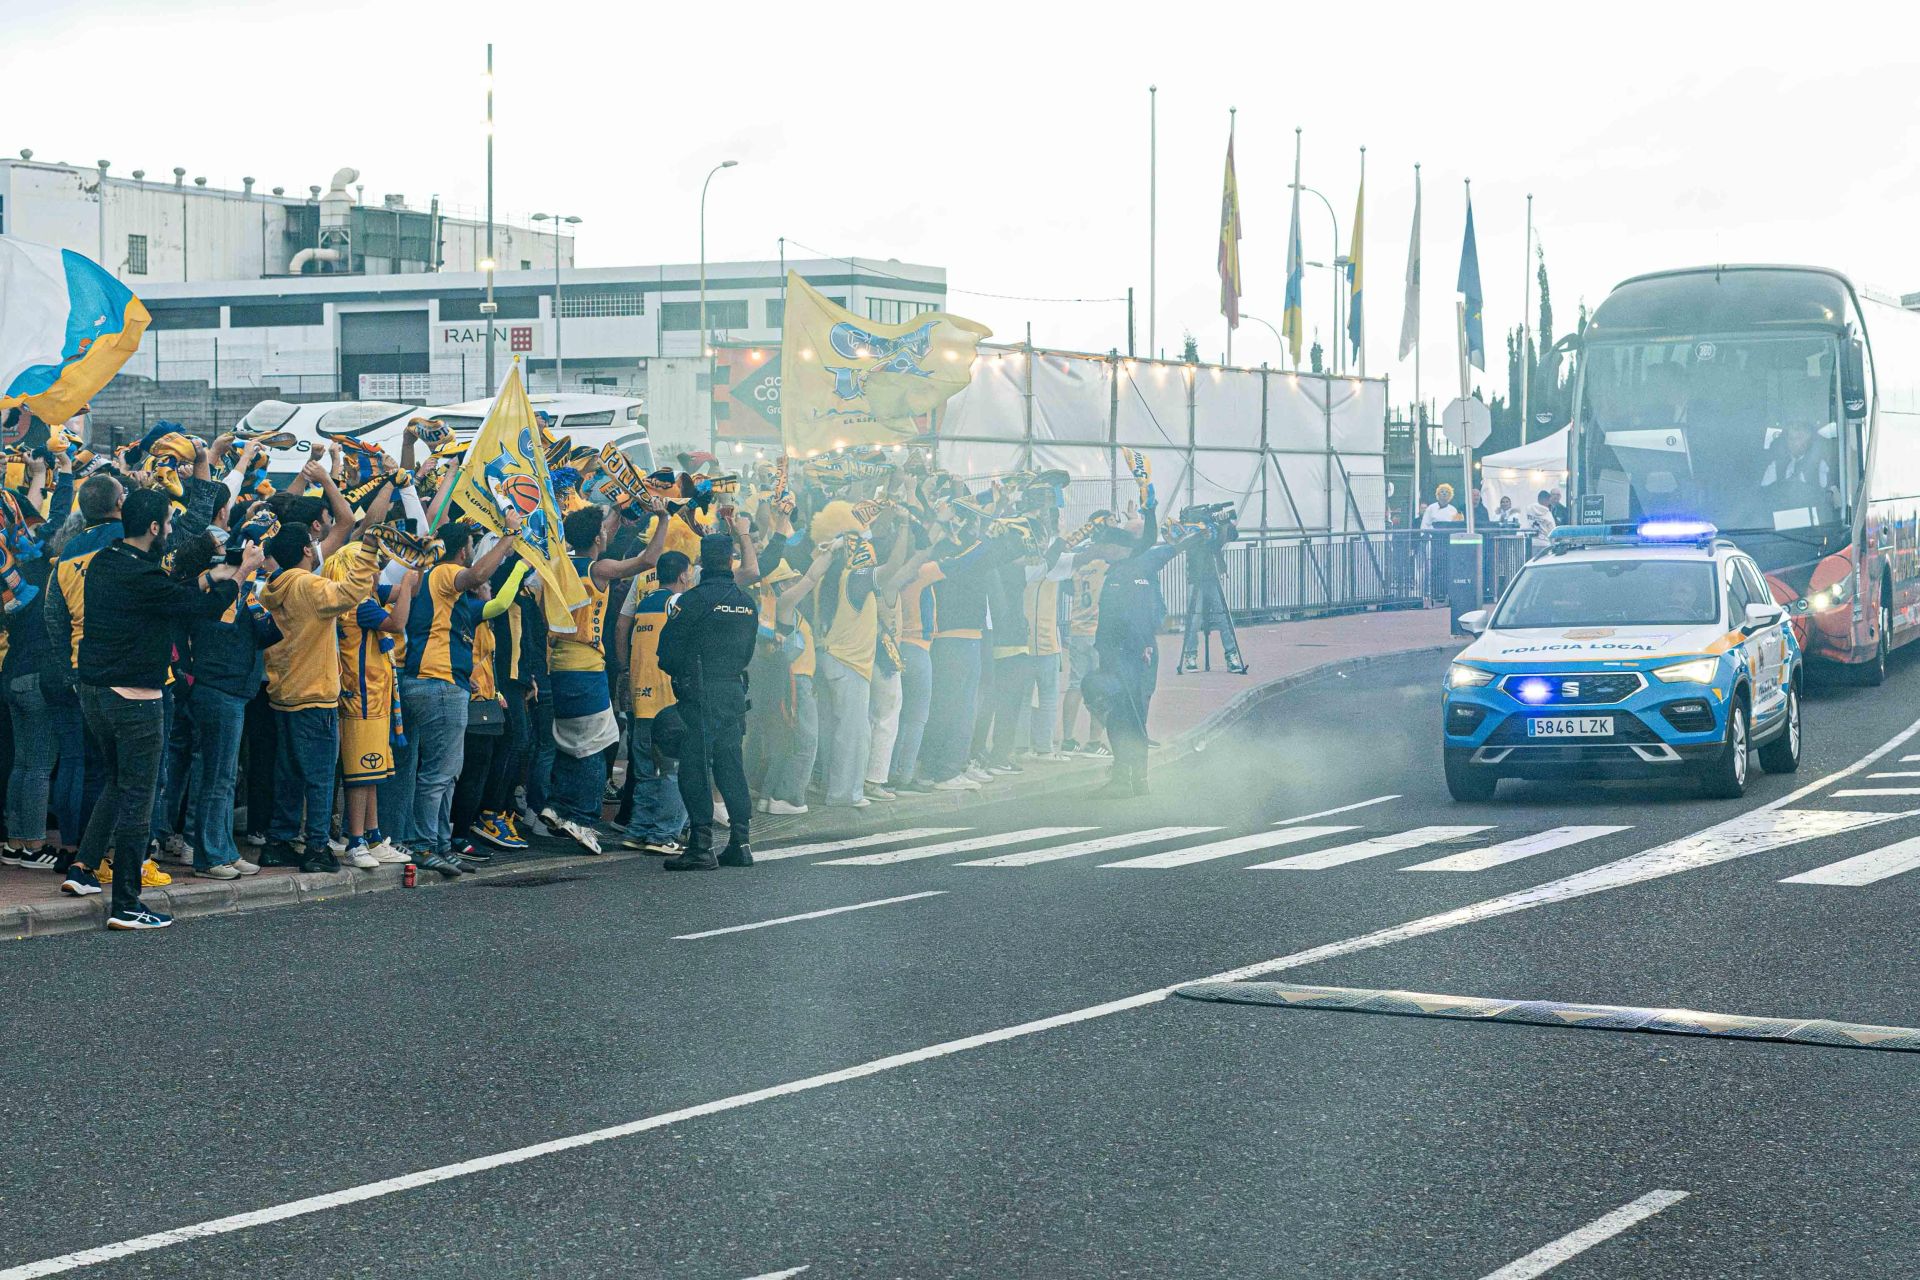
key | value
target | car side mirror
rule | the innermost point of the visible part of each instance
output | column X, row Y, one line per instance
column 1760, row 616
column 1475, row 622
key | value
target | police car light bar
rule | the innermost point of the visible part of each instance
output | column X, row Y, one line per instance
column 1677, row 530
column 1572, row 537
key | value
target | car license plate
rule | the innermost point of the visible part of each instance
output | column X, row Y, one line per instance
column 1571, row 727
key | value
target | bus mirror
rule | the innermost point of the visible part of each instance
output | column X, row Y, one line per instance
column 1853, row 380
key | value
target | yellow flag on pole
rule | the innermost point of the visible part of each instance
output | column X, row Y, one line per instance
column 846, row 381
column 506, row 470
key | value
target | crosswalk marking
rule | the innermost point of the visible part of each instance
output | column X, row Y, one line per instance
column 1081, row 847
column 1227, row 848
column 1881, row 791
column 857, row 842
column 1872, row 776
column 1865, row 868
column 971, row 845
column 1495, row 855
column 1328, row 813
column 1909, row 759
column 1374, row 848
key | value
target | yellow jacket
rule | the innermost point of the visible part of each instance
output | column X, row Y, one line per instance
column 303, row 669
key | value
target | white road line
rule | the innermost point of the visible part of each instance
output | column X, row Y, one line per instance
column 1865, row 868
column 1872, row 776
column 1495, row 855
column 1909, row 759
column 1880, row 791
column 1227, row 848
column 782, row 1275
column 1574, row 1243
column 808, row 915
column 858, row 842
column 1360, row 850
column 972, row 845
column 1125, row 840
column 1328, row 813
column 1718, row 843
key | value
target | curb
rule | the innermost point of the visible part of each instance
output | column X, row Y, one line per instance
column 188, row 898
column 1035, row 783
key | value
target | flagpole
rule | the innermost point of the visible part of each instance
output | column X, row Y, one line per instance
column 1526, row 307
column 1294, row 233
column 1419, row 406
column 1153, row 219
column 1233, row 115
column 1466, row 381
column 1360, row 261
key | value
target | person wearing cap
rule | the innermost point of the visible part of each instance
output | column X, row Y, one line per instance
column 1127, row 642
column 705, row 648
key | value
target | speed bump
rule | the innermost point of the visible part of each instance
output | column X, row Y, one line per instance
column 1554, row 1013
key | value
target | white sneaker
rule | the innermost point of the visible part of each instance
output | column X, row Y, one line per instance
column 582, row 836
column 360, row 857
column 760, row 805
column 979, row 775
column 719, row 811
column 337, row 843
column 959, row 782
column 255, row 839
column 386, row 854
column 860, row 802
column 244, row 867
column 1055, row 757
column 223, row 871
column 780, row 807
column 177, row 852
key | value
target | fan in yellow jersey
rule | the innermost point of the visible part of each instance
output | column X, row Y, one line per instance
column 658, row 812
column 368, row 695
column 583, row 723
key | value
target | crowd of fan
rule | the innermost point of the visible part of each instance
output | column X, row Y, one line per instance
column 192, row 633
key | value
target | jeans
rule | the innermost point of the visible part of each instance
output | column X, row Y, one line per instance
column 262, row 746
column 1127, row 715
column 436, row 714
column 792, row 763
column 883, row 723
column 34, row 747
column 511, row 757
column 1046, row 715
column 395, row 792
column 476, row 766
column 956, row 684
column 710, row 756
column 916, row 692
column 219, row 720
column 1012, row 682
column 131, row 735
column 170, row 802
column 658, row 810
column 852, row 730
column 70, row 807
column 578, row 785
column 540, row 767
column 303, row 767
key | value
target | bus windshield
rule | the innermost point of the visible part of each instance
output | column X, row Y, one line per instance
column 1742, row 431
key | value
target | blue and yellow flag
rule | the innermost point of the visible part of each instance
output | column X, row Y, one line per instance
column 1469, row 286
column 1293, row 323
column 68, row 327
column 1356, row 277
column 1230, row 243
column 506, row 470
column 845, row 381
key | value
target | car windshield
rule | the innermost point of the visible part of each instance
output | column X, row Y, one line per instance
column 1741, row 431
column 1611, row 593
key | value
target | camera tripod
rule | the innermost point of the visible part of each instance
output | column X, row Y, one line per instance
column 1207, row 612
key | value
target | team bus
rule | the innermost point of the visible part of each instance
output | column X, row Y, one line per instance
column 1782, row 405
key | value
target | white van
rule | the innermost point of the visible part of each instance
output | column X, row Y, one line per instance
column 591, row 420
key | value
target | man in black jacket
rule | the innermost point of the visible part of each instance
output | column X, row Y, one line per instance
column 705, row 647
column 130, row 602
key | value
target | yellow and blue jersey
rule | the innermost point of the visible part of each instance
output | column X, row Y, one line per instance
column 652, row 691
column 440, row 629
column 586, row 648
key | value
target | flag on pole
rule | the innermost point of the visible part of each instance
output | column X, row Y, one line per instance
column 66, row 329
column 847, row 381
column 1410, row 320
column 506, row 470
column 1356, row 276
column 1292, row 322
column 1230, row 243
column 1469, row 286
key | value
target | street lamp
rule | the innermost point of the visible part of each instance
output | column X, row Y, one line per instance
column 1336, row 277
column 1270, row 329
column 558, row 222
column 706, row 351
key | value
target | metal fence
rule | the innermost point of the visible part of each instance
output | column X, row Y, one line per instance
column 1271, row 579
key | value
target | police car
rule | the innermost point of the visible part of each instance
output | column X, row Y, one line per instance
column 1654, row 651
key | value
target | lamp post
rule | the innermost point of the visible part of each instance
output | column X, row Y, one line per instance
column 558, row 222
column 1270, row 329
column 489, row 308
column 706, row 351
column 1336, row 275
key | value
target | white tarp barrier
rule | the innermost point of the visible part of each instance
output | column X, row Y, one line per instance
column 1071, row 398
column 992, row 405
column 1226, row 409
column 1153, row 404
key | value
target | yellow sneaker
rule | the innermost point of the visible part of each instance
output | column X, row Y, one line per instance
column 104, row 872
column 152, row 877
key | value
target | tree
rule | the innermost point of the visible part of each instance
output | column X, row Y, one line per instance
column 1189, row 349
column 1314, row 353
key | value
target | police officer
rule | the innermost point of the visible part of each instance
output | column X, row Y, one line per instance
column 705, row 647
column 1131, row 611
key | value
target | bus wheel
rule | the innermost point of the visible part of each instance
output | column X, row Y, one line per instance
column 1726, row 777
column 1876, row 672
column 1782, row 755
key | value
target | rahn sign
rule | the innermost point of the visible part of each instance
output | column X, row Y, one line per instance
column 516, row 337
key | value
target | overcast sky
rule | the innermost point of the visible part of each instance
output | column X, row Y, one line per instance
column 1008, row 143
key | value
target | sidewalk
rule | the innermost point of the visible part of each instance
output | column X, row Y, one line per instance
column 1187, row 710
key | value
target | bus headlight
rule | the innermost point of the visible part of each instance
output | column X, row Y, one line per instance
column 1462, row 676
column 1831, row 596
column 1695, row 671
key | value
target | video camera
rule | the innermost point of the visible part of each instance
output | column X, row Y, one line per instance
column 1210, row 513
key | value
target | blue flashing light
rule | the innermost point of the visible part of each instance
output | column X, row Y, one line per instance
column 1535, row 691
column 1677, row 530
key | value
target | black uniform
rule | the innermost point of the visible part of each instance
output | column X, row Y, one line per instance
column 705, row 647
column 1131, row 611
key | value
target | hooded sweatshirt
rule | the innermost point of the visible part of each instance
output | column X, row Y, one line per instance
column 303, row 670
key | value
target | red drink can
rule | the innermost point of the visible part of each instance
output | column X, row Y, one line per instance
column 407, row 874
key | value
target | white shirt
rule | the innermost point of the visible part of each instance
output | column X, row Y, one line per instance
column 1436, row 514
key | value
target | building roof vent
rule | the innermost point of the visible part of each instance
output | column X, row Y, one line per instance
column 393, row 200
column 179, row 176
column 26, row 153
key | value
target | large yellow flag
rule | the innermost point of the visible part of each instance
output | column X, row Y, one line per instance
column 847, row 381
column 506, row 469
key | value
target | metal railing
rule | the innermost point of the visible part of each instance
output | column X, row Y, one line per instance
column 1271, row 579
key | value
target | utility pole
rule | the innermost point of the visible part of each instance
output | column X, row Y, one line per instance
column 1153, row 220
column 489, row 308
column 1526, row 306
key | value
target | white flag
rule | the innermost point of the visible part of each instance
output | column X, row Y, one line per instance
column 1410, row 322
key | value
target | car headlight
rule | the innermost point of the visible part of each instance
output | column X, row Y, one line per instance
column 1694, row 671
column 1462, row 676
